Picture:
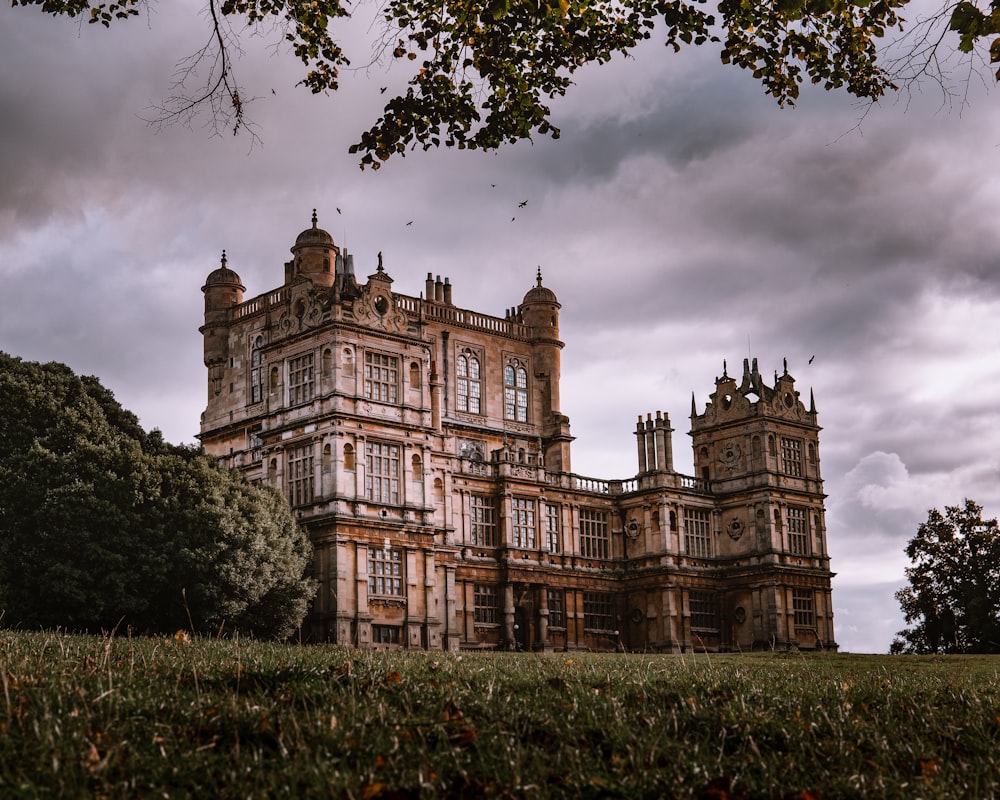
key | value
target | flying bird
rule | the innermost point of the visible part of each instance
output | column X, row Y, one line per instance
column 410, row 222
column 512, row 219
column 338, row 210
column 382, row 90
column 493, row 186
column 811, row 359
column 522, row 204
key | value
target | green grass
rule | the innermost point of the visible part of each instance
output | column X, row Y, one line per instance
column 121, row 717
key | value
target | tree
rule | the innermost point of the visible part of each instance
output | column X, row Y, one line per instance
column 953, row 600
column 482, row 73
column 102, row 524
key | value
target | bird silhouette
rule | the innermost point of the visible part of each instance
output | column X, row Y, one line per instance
column 382, row 90
column 338, row 210
column 410, row 222
column 493, row 186
column 811, row 359
column 512, row 219
column 522, row 204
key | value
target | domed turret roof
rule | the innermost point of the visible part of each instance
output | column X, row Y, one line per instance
column 313, row 235
column 223, row 275
column 539, row 293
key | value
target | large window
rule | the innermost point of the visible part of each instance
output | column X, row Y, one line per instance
column 697, row 532
column 381, row 377
column 385, row 572
column 485, row 604
column 515, row 391
column 598, row 612
column 557, row 616
column 300, row 475
column 258, row 371
column 704, row 611
column 595, row 541
column 382, row 472
column 386, row 634
column 552, row 528
column 803, row 606
column 798, row 538
column 469, row 387
column 484, row 529
column 523, row 513
column 791, row 457
column 300, row 379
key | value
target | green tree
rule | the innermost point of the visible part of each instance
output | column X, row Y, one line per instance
column 953, row 598
column 102, row 524
column 482, row 73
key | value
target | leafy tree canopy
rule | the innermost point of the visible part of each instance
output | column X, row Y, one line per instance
column 483, row 72
column 953, row 600
column 102, row 524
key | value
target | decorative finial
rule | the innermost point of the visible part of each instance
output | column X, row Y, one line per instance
column 380, row 261
column 725, row 373
column 223, row 259
column 786, row 366
column 314, row 217
column 539, row 277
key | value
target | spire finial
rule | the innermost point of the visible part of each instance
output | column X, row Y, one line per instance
column 314, row 217
column 223, row 259
column 725, row 374
column 539, row 276
column 786, row 365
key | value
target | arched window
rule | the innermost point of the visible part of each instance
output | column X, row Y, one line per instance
column 274, row 380
column 515, row 391
column 468, row 386
column 258, row 371
column 326, row 458
column 348, row 457
column 348, row 362
column 272, row 472
column 418, row 468
column 327, row 363
column 771, row 449
column 414, row 375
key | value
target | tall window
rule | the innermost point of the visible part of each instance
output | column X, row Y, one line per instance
column 484, row 529
column 258, row 371
column 523, row 512
column 598, row 612
column 803, row 606
column 791, row 457
column 552, row 528
column 557, row 617
column 798, row 538
column 382, row 472
column 300, row 379
column 469, row 386
column 300, row 475
column 704, row 611
column 595, row 541
column 485, row 604
column 381, row 377
column 386, row 634
column 697, row 532
column 515, row 391
column 385, row 572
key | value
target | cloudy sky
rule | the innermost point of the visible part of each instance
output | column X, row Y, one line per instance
column 682, row 219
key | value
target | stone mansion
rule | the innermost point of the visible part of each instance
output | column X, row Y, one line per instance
column 424, row 449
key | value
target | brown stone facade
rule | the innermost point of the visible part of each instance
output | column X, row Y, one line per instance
column 423, row 447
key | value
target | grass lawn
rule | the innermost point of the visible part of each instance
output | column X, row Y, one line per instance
column 122, row 717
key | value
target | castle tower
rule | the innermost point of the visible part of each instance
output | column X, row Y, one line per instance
column 223, row 291
column 756, row 448
column 539, row 311
column 314, row 256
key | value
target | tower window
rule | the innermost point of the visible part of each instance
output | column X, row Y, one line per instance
column 798, row 538
column 791, row 457
column 382, row 472
column 804, row 608
column 385, row 572
column 552, row 528
column 381, row 377
column 485, row 599
column 598, row 611
column 300, row 379
column 697, row 533
column 704, row 611
column 468, row 386
column 557, row 617
column 523, row 528
column 300, row 475
column 515, row 391
column 595, row 541
column 484, row 532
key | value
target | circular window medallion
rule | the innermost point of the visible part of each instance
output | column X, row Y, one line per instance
column 730, row 453
column 735, row 528
column 381, row 305
column 740, row 615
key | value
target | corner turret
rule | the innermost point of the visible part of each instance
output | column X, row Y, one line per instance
column 314, row 256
